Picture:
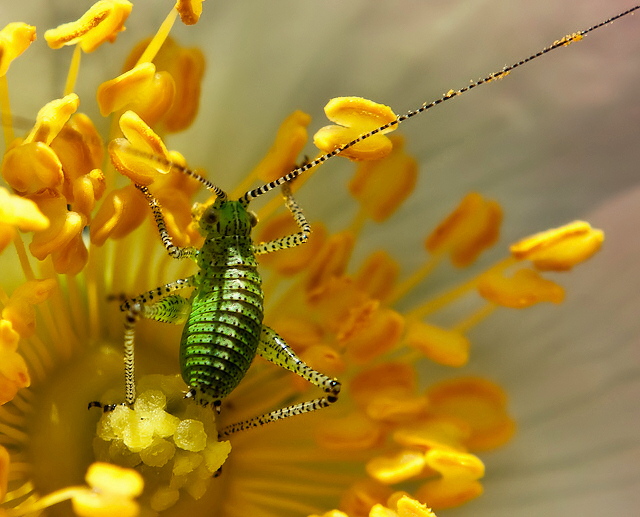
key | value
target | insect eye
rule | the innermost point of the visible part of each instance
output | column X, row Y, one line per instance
column 210, row 216
column 253, row 219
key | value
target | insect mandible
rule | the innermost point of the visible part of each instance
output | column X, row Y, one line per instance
column 223, row 327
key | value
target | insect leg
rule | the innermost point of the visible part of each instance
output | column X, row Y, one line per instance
column 172, row 309
column 275, row 349
column 167, row 241
column 290, row 241
column 159, row 292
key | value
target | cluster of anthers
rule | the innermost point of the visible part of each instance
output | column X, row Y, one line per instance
column 341, row 318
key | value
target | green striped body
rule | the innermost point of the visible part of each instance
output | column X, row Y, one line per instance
column 221, row 335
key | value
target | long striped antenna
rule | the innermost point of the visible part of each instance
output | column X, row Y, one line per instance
column 563, row 42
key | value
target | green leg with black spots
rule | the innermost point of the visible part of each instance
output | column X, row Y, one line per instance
column 275, row 349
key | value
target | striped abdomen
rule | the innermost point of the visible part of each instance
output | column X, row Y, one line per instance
column 220, row 338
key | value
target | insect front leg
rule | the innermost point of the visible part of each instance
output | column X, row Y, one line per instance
column 290, row 241
column 275, row 349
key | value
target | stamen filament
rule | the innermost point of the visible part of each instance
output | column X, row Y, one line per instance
column 450, row 296
column 46, row 501
column 476, row 317
column 5, row 110
column 74, row 67
column 415, row 278
column 159, row 38
column 23, row 258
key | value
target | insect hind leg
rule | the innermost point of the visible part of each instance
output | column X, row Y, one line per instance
column 276, row 350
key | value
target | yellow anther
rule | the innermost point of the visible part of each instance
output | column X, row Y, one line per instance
column 444, row 346
column 13, row 375
column 351, row 433
column 408, row 507
column 19, row 310
column 381, row 186
column 15, row 38
column 331, row 513
column 471, row 228
column 112, row 491
column 190, row 10
column 559, row 249
column 293, row 260
column 354, row 117
column 66, row 226
column 176, row 208
column 377, row 275
column 16, row 211
column 434, row 433
column 478, row 403
column 186, row 68
column 362, row 497
column 148, row 93
column 372, row 334
column 525, row 288
column 458, row 484
column 51, row 119
column 396, row 379
column 141, row 155
column 283, row 154
column 102, row 22
column 121, row 212
column 330, row 262
column 397, row 467
column 32, row 168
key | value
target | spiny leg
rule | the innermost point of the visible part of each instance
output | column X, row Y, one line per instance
column 290, row 241
column 173, row 250
column 275, row 349
column 159, row 292
column 172, row 309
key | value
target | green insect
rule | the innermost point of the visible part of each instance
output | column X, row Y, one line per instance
column 223, row 327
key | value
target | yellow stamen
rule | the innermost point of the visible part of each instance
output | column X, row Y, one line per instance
column 15, row 38
column 434, row 433
column 354, row 117
column 377, row 275
column 378, row 331
column 190, row 10
column 381, row 186
column 559, row 249
column 72, row 74
column 458, row 484
column 159, row 38
column 16, row 211
column 396, row 467
column 470, row 229
column 354, row 432
column 444, row 346
column 135, row 155
column 523, row 289
column 120, row 213
column 477, row 402
column 331, row 261
column 99, row 24
column 19, row 309
column 14, row 375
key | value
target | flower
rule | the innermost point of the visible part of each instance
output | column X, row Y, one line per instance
column 270, row 467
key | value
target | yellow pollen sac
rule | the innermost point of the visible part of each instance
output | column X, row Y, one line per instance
column 355, row 432
column 19, row 309
column 444, row 346
column 186, row 67
column 478, row 403
column 289, row 142
column 64, row 236
column 189, row 10
column 362, row 497
column 141, row 155
column 121, row 212
column 397, row 380
column 292, row 260
column 14, row 374
column 102, row 22
column 113, row 490
column 15, row 38
column 329, row 263
column 406, row 506
column 396, row 468
column 470, row 229
column 378, row 275
column 19, row 212
column 525, row 288
column 378, row 332
column 458, row 484
column 559, row 249
column 434, row 433
column 51, row 119
column 381, row 186
column 148, row 93
column 32, row 168
column 356, row 116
